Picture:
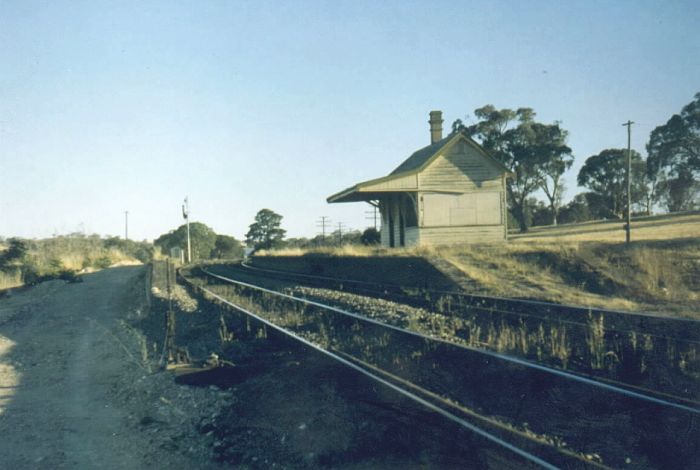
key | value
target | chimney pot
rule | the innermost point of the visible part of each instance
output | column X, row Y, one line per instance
column 435, row 126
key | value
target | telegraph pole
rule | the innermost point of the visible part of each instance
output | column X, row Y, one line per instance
column 628, row 225
column 340, row 233
column 372, row 215
column 186, row 215
column 323, row 223
column 126, row 225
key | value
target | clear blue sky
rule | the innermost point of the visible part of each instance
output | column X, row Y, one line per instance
column 114, row 106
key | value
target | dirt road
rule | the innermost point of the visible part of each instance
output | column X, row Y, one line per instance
column 68, row 368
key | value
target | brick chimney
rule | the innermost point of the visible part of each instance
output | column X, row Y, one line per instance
column 435, row 126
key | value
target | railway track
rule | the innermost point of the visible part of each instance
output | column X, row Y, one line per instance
column 652, row 355
column 541, row 415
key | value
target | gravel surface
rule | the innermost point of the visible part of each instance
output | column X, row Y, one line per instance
column 79, row 387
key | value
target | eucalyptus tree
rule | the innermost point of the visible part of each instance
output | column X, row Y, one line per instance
column 673, row 161
column 604, row 174
column 536, row 154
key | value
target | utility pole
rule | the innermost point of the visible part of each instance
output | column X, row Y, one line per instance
column 372, row 215
column 628, row 225
column 186, row 215
column 126, row 225
column 340, row 233
column 323, row 223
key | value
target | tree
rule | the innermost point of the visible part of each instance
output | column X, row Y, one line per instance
column 203, row 240
column 557, row 159
column 266, row 231
column 674, row 159
column 14, row 254
column 539, row 213
column 604, row 174
column 680, row 193
column 576, row 210
column 536, row 154
column 370, row 237
column 227, row 247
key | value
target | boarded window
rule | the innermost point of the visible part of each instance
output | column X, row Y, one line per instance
column 489, row 208
column 461, row 209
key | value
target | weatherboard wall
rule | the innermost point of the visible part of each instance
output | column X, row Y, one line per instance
column 460, row 168
column 461, row 235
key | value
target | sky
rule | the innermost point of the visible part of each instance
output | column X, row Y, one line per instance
column 107, row 107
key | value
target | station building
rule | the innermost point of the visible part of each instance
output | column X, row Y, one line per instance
column 450, row 192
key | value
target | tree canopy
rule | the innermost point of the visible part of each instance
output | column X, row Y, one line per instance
column 535, row 153
column 604, row 174
column 673, row 162
column 206, row 244
column 227, row 247
column 202, row 240
column 16, row 251
column 266, row 231
column 371, row 236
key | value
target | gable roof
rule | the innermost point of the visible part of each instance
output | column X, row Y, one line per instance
column 401, row 176
column 421, row 156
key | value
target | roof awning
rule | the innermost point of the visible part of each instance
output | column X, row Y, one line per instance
column 377, row 188
column 405, row 177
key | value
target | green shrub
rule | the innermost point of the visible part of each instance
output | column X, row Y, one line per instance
column 30, row 274
column 103, row 262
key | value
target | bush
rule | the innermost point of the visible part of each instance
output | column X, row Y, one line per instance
column 103, row 262
column 15, row 253
column 371, row 236
column 30, row 275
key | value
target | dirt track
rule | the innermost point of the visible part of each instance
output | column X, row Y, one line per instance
column 70, row 370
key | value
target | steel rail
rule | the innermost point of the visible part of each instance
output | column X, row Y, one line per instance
column 628, row 386
column 456, row 419
column 378, row 290
column 506, row 358
column 482, row 309
column 450, row 404
column 478, row 297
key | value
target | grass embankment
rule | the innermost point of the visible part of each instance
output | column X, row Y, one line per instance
column 656, row 227
column 585, row 264
column 656, row 276
column 66, row 256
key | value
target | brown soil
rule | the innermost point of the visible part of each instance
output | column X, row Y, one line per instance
column 78, row 386
column 81, row 387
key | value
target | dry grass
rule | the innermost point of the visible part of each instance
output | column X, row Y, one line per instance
column 585, row 264
column 50, row 257
column 351, row 250
column 589, row 264
column 516, row 271
column 661, row 227
column 345, row 250
column 10, row 280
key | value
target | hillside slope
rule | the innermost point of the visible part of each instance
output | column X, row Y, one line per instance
column 660, row 276
column 579, row 264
